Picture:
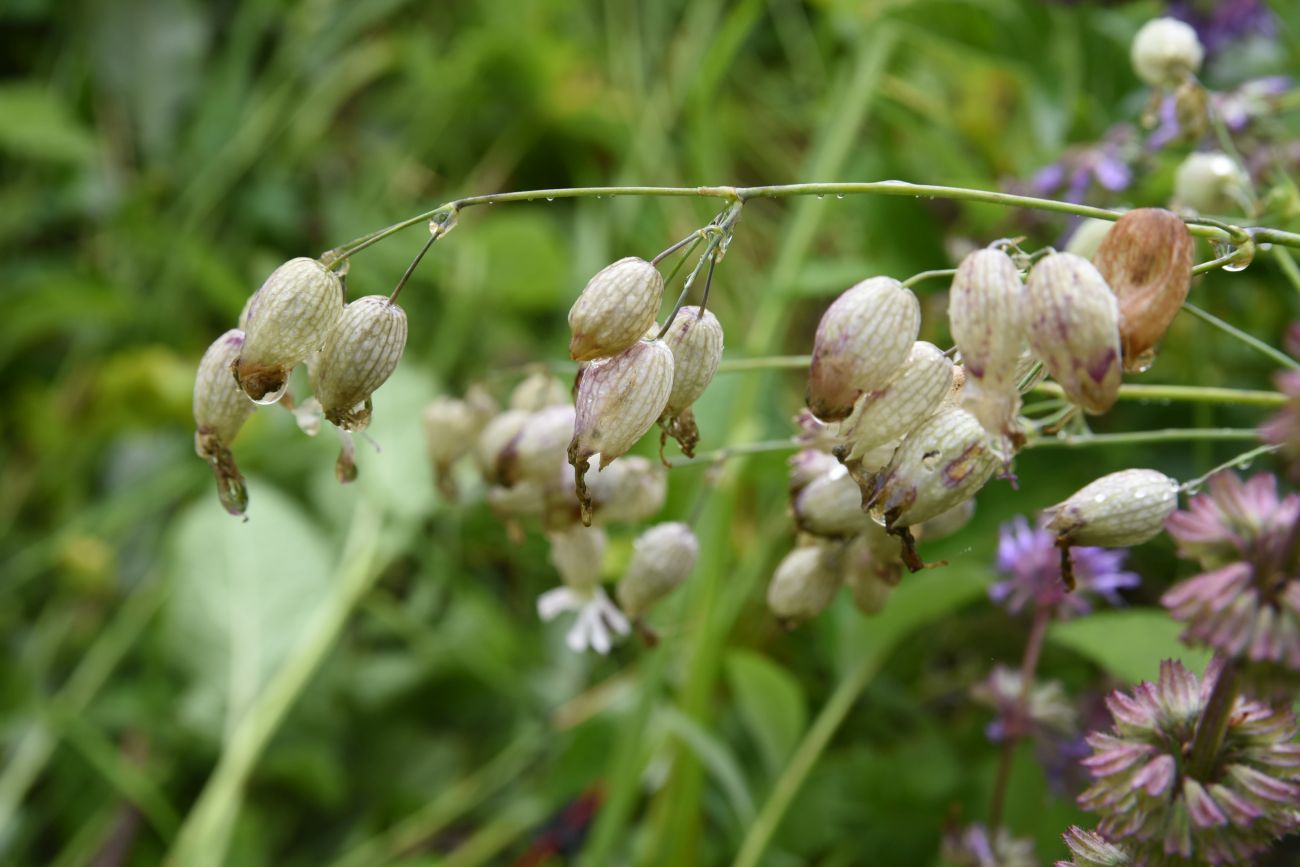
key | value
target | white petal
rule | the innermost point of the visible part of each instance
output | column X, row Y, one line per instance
column 556, row 601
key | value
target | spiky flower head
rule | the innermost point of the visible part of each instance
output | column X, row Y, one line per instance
column 1031, row 562
column 1090, row 849
column 1152, row 797
column 1043, row 708
column 1247, row 604
column 976, row 846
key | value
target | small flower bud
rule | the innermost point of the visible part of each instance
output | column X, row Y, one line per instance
column 831, row 506
column 861, row 340
column 538, row 391
column 287, row 320
column 942, row 463
column 662, row 558
column 1074, row 329
column 537, row 452
column 696, row 342
column 220, row 410
column 359, row 354
column 615, row 309
column 987, row 311
column 1165, row 52
column 1115, row 511
column 1209, row 183
column 618, row 400
column 1146, row 260
column 915, row 393
column 492, row 441
column 451, row 427
column 805, row 583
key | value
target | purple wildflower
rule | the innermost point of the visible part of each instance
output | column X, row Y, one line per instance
column 1248, row 602
column 1032, row 563
column 1090, row 849
column 1219, row 22
column 1045, row 708
column 1105, row 163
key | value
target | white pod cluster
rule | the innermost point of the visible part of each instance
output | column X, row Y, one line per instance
column 805, row 583
column 618, row 304
column 1166, row 52
column 1074, row 329
column 359, row 354
column 915, row 393
column 619, row 399
column 861, row 340
column 220, row 410
column 451, row 427
column 987, row 307
column 695, row 338
column 873, row 567
column 538, row 391
column 285, row 321
column 538, row 451
column 1117, row 510
column 830, row 506
column 662, row 558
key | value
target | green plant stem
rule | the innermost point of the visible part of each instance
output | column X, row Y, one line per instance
column 1183, row 394
column 1261, row 235
column 1287, row 263
column 1213, row 725
column 1253, row 342
column 1240, row 460
column 768, row 362
column 926, row 275
column 1028, row 668
column 1167, row 435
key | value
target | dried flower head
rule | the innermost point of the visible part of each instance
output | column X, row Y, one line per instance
column 618, row 304
column 861, row 340
column 1166, row 52
column 1168, row 809
column 987, row 314
column 662, row 558
column 618, row 400
column 220, row 410
column 695, row 338
column 359, row 354
column 805, row 582
column 1146, row 259
column 286, row 321
column 1248, row 602
column 976, row 846
column 1029, row 560
column 578, row 554
column 883, row 415
column 1073, row 328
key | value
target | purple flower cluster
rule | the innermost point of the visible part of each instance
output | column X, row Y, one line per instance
column 1028, row 556
column 1219, row 22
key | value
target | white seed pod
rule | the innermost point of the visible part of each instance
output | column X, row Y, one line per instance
column 359, row 354
column 804, row 583
column 538, row 450
column 942, row 463
column 861, row 340
column 1121, row 509
column 831, row 506
column 808, row 465
column 614, row 309
column 492, row 441
column 628, row 490
column 885, row 414
column 538, row 391
column 578, row 554
column 1210, row 183
column 220, row 407
column 947, row 523
column 1087, row 237
column 618, row 400
column 987, row 308
column 1074, row 329
column 662, row 558
column 287, row 319
column 873, row 566
column 1166, row 52
column 696, row 343
column 523, row 499
column 451, row 426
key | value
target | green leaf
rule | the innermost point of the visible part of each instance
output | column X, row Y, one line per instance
column 1129, row 644
column 771, row 704
column 38, row 125
column 241, row 593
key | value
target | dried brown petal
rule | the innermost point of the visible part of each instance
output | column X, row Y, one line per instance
column 359, row 354
column 1074, row 329
column 618, row 304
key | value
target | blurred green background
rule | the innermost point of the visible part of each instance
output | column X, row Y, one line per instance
column 356, row 676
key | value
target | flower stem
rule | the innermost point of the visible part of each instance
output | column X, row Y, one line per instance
column 1144, row 436
column 1028, row 668
column 1240, row 460
column 926, row 275
column 1213, row 725
column 1253, row 342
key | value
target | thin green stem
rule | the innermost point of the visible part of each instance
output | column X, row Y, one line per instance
column 1183, row 394
column 1143, row 437
column 765, row 362
column 704, row 459
column 1232, row 463
column 1213, row 725
column 1253, row 342
column 1287, row 263
column 1028, row 668
column 410, row 269
column 926, row 275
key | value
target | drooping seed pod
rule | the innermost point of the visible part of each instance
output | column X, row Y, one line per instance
column 805, row 582
column 288, row 319
column 538, row 391
column 1146, row 259
column 662, row 558
column 1166, row 52
column 451, row 426
column 808, row 465
column 873, row 567
column 629, row 490
column 1074, row 329
column 618, row 400
column 220, row 410
column 887, row 413
column 942, row 463
column 539, row 449
column 831, row 506
column 987, row 307
column 695, row 339
column 359, row 354
column 1210, row 183
column 615, row 309
column 1115, row 511
column 492, row 441
column 861, row 340
column 947, row 523
column 578, row 554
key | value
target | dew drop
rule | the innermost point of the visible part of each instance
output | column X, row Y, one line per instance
column 839, row 195
column 550, row 198
column 821, row 196
column 272, row 396
column 1143, row 362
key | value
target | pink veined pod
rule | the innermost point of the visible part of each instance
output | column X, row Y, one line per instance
column 987, row 308
column 695, row 339
column 662, row 558
column 830, row 506
column 943, row 462
column 359, row 354
column 861, row 340
column 287, row 319
column 1074, row 329
column 220, row 410
column 618, row 400
column 915, row 393
column 805, row 582
column 628, row 490
column 618, row 304
column 538, row 451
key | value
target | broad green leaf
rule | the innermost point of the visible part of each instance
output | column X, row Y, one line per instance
column 771, row 703
column 38, row 125
column 1129, row 644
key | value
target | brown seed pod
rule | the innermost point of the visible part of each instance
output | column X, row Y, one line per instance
column 695, row 339
column 861, row 340
column 1074, row 329
column 618, row 304
column 359, row 354
column 220, row 410
column 287, row 319
column 618, row 400
column 1146, row 259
